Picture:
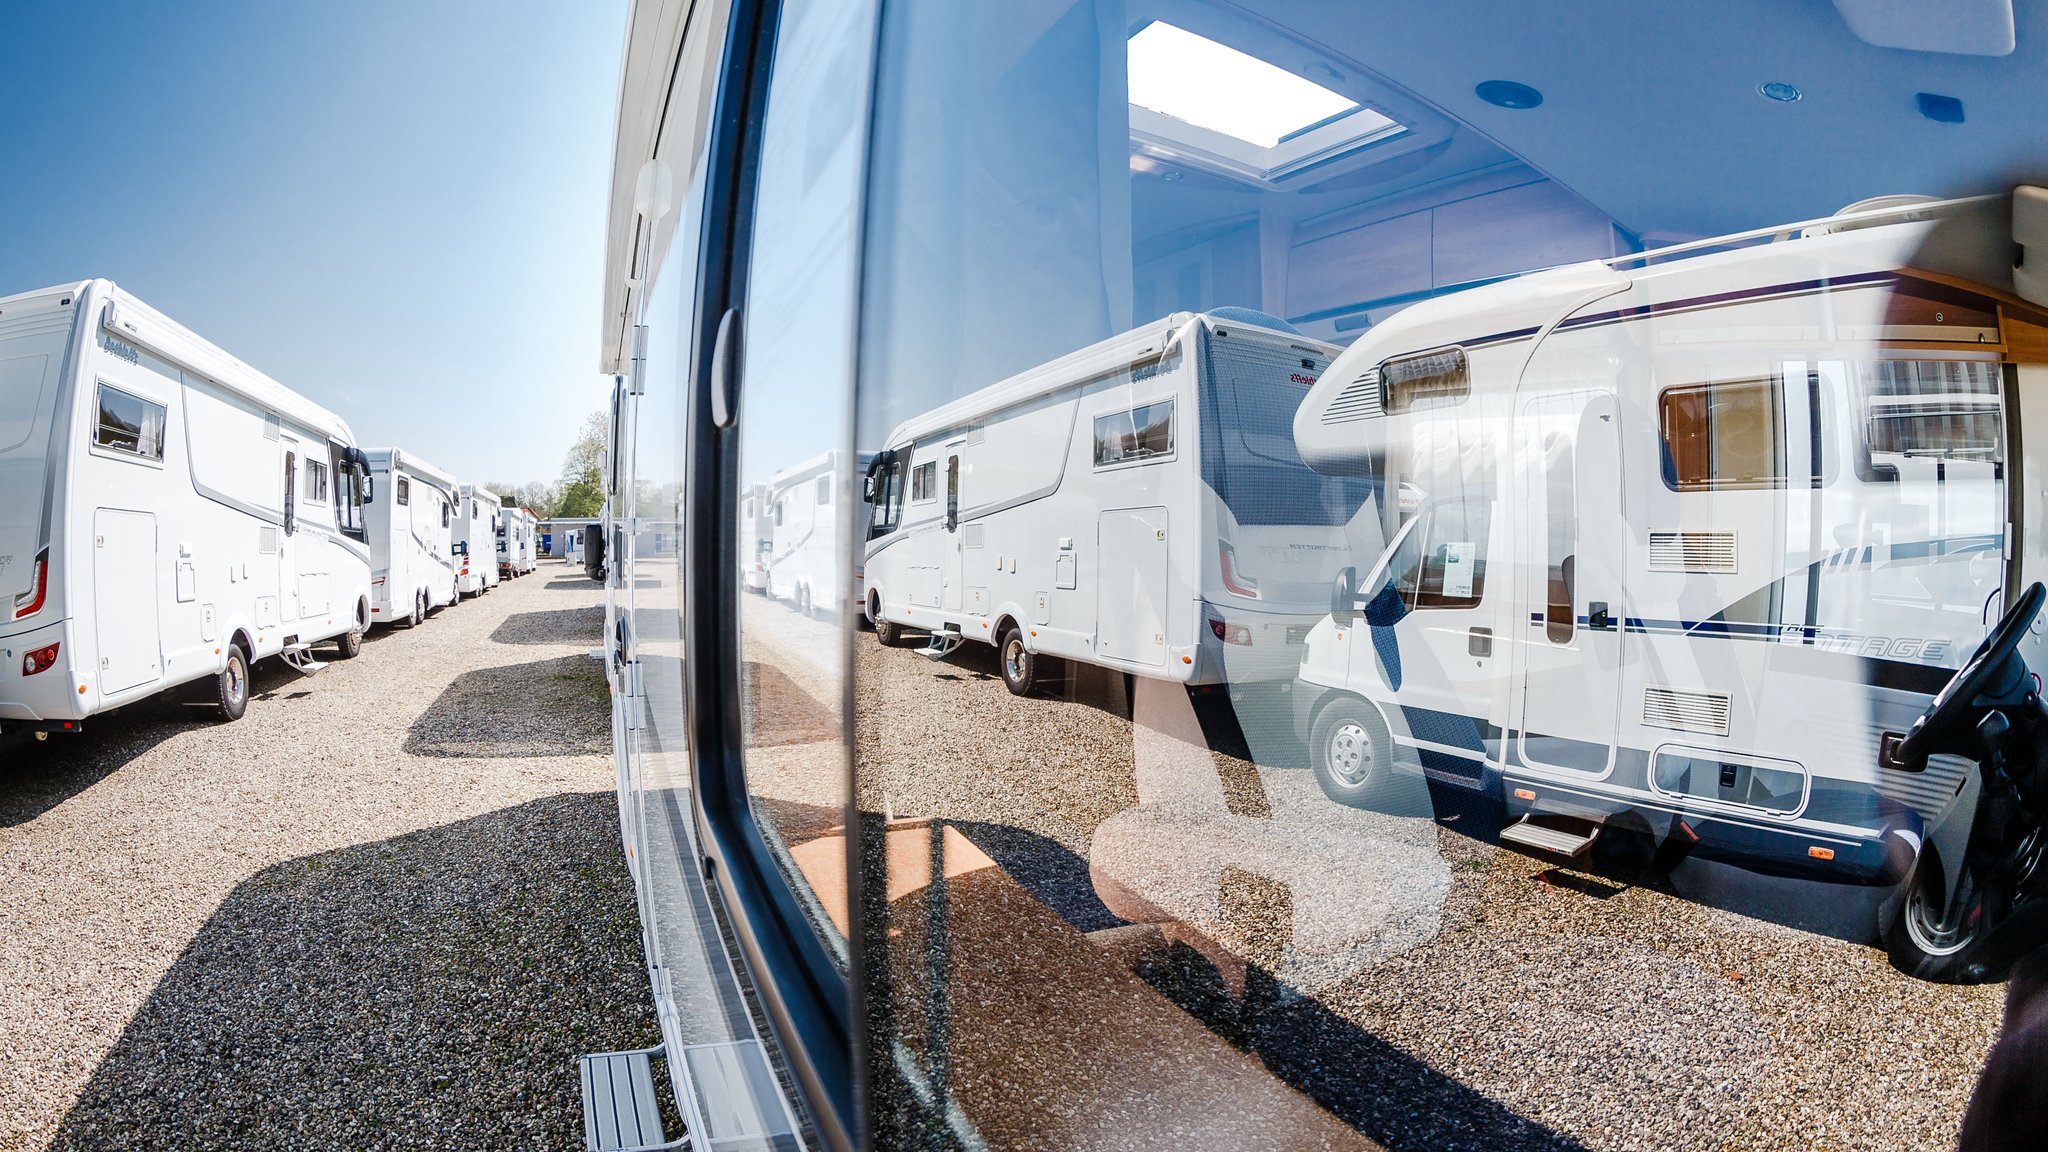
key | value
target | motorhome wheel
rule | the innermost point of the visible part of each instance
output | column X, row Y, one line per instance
column 231, row 687
column 419, row 610
column 888, row 633
column 1020, row 664
column 349, row 644
column 1352, row 753
column 1931, row 936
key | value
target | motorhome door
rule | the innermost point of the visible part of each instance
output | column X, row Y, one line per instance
column 1571, row 540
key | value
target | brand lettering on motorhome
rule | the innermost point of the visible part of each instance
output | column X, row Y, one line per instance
column 119, row 349
column 1884, row 647
column 1302, row 378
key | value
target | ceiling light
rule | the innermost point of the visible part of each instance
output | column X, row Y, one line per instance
column 1194, row 79
column 1780, row 91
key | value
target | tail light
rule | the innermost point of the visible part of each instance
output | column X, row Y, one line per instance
column 31, row 602
column 40, row 660
column 1231, row 633
column 1235, row 584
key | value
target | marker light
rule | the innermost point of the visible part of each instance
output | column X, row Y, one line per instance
column 1244, row 586
column 40, row 660
column 1524, row 794
column 1820, row 853
column 31, row 602
column 1231, row 633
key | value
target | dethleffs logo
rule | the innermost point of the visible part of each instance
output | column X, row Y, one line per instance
column 1302, row 378
column 119, row 349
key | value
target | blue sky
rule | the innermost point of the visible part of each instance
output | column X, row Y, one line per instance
column 395, row 209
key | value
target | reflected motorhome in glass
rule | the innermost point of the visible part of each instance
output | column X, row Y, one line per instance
column 1136, row 505
column 1698, row 536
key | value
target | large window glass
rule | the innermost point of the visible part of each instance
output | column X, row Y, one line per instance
column 1434, row 548
column 128, row 423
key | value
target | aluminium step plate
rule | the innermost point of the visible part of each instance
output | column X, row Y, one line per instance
column 1544, row 838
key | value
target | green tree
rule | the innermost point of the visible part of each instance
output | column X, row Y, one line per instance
column 582, row 490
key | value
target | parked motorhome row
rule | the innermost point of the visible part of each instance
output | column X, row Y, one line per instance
column 518, row 542
column 170, row 516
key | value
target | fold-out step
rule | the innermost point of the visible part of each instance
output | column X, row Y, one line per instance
column 300, row 657
column 620, row 1111
column 942, row 644
column 1566, row 836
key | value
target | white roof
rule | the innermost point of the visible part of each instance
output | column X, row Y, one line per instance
column 394, row 460
column 137, row 323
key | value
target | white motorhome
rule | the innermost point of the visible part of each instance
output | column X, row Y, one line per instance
column 1699, row 535
column 518, row 543
column 411, row 517
column 1137, row 504
column 757, row 538
column 476, row 521
column 802, row 553
column 168, row 515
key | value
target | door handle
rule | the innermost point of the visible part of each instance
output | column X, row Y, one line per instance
column 1596, row 615
column 725, row 371
column 1479, row 642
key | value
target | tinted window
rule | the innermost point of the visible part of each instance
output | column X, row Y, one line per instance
column 1135, row 435
column 128, row 423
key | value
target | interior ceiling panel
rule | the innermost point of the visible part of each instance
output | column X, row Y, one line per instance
column 1652, row 112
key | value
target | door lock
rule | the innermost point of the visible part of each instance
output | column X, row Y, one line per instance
column 1596, row 615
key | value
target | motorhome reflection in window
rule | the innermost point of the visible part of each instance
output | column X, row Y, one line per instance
column 129, row 424
column 1144, row 433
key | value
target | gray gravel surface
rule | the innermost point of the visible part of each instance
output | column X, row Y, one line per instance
column 1423, row 983
column 386, row 909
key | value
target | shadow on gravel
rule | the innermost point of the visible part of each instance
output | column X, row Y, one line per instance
column 559, row 707
column 556, row 626
column 432, row 990
column 38, row 775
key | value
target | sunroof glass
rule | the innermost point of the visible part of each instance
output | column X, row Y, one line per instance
column 1194, row 79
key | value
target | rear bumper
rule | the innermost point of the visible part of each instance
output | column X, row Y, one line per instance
column 1256, row 647
column 51, row 696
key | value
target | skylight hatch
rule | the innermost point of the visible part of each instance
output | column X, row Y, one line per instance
column 1196, row 100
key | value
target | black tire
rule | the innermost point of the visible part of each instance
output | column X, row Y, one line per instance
column 231, row 687
column 1929, row 941
column 888, row 633
column 1352, row 754
column 349, row 644
column 419, row 609
column 1019, row 663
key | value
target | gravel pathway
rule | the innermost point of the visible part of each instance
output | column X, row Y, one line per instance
column 386, row 909
column 1424, row 984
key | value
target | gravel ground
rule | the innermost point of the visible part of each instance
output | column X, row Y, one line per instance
column 386, row 909
column 1424, row 984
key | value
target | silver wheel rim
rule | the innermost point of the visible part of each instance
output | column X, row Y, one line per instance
column 235, row 684
column 1013, row 660
column 1350, row 753
column 1933, row 934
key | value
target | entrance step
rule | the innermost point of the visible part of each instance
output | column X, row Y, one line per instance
column 620, row 1112
column 943, row 644
column 300, row 657
column 1567, row 836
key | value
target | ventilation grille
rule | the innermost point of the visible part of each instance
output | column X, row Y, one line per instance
column 1360, row 400
column 266, row 540
column 271, row 428
column 1684, row 711
column 1692, row 551
column 972, row 537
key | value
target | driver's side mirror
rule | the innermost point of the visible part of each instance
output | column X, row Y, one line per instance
column 1344, row 597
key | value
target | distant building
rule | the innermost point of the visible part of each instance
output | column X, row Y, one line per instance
column 561, row 537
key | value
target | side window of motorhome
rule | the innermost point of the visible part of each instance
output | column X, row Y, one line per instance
column 1560, row 510
column 1728, row 434
column 130, row 424
column 824, row 489
column 1425, row 380
column 924, row 482
column 444, row 513
column 888, row 500
column 404, row 490
column 316, row 481
column 1134, row 435
column 348, row 497
column 1442, row 562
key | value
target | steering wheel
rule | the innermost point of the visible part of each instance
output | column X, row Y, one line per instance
column 1951, row 705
